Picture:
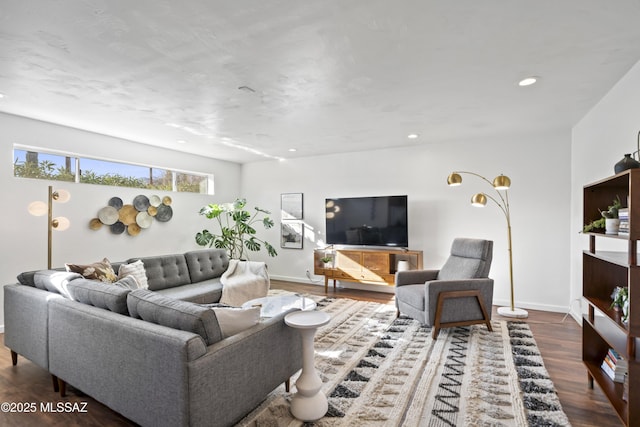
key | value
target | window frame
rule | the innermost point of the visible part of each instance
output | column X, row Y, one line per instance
column 77, row 159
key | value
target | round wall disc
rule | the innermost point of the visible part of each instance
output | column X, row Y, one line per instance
column 108, row 215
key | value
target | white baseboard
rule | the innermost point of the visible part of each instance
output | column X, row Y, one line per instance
column 1, row 329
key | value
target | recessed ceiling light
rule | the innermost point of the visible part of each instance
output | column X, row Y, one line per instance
column 412, row 136
column 292, row 150
column 182, row 141
column 1, row 95
column 528, row 81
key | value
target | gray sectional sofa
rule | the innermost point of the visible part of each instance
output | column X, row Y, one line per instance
column 156, row 356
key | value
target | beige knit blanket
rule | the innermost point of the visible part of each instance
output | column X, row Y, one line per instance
column 244, row 281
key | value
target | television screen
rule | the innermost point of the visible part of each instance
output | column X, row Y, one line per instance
column 369, row 221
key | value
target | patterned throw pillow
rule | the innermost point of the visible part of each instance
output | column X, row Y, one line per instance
column 135, row 269
column 100, row 270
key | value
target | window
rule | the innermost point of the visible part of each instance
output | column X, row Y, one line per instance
column 29, row 163
column 32, row 164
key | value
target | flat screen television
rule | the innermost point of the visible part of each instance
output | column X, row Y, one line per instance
column 367, row 221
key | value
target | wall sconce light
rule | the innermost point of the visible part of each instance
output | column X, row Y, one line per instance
column 60, row 223
column 499, row 183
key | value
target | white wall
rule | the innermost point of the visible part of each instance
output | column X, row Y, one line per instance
column 599, row 141
column 539, row 170
column 24, row 237
column 537, row 164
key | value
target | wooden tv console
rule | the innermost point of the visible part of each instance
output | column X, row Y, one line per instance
column 371, row 266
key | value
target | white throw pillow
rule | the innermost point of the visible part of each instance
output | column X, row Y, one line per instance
column 135, row 269
column 235, row 320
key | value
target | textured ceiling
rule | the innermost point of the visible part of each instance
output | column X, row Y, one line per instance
column 320, row 77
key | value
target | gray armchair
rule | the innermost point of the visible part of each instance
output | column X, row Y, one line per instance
column 459, row 294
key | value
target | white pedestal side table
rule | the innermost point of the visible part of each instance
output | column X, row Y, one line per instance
column 309, row 403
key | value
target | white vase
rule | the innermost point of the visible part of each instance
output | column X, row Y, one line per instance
column 611, row 225
column 403, row 265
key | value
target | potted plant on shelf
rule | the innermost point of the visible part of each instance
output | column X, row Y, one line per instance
column 620, row 297
column 237, row 229
column 609, row 219
column 326, row 261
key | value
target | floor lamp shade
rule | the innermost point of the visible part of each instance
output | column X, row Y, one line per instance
column 60, row 223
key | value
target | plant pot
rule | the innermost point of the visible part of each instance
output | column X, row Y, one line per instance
column 611, row 225
column 625, row 311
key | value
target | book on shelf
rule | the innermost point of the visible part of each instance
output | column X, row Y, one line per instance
column 625, row 390
column 615, row 366
column 617, row 359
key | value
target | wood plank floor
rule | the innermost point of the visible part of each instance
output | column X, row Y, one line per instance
column 558, row 340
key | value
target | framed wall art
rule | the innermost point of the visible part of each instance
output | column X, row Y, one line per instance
column 291, row 206
column 291, row 235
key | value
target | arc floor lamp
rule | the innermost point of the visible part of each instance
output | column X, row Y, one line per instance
column 501, row 185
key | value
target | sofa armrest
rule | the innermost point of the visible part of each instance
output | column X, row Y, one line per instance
column 465, row 308
column 26, row 322
column 414, row 277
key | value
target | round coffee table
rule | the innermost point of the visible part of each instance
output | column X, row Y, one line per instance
column 309, row 403
column 273, row 305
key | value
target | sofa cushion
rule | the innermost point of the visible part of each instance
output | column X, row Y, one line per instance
column 135, row 269
column 54, row 281
column 112, row 297
column 206, row 264
column 100, row 270
column 233, row 320
column 186, row 316
column 165, row 271
column 201, row 293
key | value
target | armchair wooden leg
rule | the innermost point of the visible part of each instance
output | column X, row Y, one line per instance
column 56, row 387
column 434, row 333
column 437, row 324
column 287, row 385
column 14, row 358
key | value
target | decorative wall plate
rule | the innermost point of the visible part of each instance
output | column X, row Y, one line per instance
column 95, row 224
column 115, row 202
column 144, row 220
column 117, row 228
column 164, row 213
column 127, row 214
column 155, row 201
column 133, row 229
column 108, row 215
column 141, row 203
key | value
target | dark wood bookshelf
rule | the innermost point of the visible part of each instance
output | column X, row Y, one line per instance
column 602, row 272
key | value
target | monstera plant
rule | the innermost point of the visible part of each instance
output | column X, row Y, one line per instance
column 237, row 229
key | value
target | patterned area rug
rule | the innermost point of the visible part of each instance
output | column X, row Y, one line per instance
column 381, row 371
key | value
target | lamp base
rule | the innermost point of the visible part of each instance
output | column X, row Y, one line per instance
column 516, row 312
